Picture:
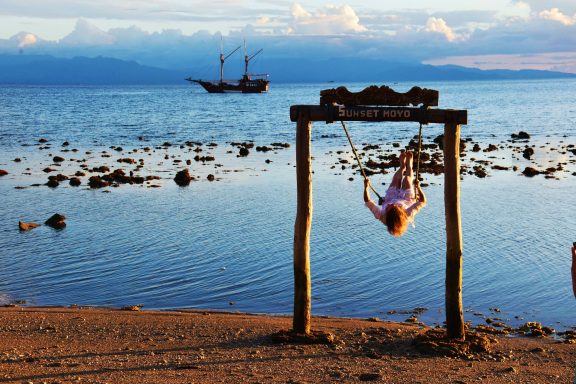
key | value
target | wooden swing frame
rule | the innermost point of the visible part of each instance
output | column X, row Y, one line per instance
column 341, row 105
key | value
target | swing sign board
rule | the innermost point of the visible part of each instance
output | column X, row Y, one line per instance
column 375, row 113
column 332, row 113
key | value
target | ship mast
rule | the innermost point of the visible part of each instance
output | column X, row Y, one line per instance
column 223, row 58
column 247, row 59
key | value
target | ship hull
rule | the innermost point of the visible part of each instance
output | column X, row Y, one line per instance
column 242, row 86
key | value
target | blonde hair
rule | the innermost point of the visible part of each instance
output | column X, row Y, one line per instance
column 396, row 220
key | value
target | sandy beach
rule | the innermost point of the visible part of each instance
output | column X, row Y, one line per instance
column 93, row 345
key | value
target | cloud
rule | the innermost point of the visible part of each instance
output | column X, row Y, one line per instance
column 566, row 6
column 329, row 20
column 555, row 15
column 87, row 34
column 558, row 61
column 436, row 25
column 27, row 39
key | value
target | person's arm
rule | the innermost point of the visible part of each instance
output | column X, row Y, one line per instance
column 420, row 202
column 373, row 207
column 366, row 192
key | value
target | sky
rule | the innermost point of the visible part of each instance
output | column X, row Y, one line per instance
column 513, row 34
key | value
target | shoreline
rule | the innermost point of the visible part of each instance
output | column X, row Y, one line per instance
column 60, row 344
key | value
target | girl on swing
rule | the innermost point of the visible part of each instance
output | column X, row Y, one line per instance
column 401, row 203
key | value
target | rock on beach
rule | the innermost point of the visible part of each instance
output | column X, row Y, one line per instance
column 183, row 178
column 56, row 221
column 27, row 226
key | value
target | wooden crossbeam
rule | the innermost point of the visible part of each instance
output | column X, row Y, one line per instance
column 331, row 113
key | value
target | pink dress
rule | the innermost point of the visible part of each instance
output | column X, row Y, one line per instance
column 403, row 198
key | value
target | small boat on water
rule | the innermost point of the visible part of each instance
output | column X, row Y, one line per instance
column 249, row 83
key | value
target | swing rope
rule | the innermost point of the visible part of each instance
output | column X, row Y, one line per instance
column 358, row 160
column 419, row 150
column 380, row 199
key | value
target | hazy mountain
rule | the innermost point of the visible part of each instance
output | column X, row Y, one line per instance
column 44, row 69
column 24, row 69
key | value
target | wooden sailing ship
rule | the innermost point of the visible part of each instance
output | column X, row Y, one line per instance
column 249, row 83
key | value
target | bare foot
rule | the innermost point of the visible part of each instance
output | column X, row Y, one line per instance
column 409, row 157
column 402, row 157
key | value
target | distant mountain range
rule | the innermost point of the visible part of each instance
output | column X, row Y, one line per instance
column 45, row 70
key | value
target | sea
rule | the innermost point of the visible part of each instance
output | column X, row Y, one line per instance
column 227, row 244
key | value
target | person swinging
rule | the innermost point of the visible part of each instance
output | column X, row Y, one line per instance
column 403, row 200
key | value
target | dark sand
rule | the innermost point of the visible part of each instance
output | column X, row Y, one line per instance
column 62, row 345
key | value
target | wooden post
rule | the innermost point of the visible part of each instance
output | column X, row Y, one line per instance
column 302, row 280
column 454, row 309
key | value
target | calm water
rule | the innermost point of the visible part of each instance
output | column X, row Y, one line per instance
column 228, row 244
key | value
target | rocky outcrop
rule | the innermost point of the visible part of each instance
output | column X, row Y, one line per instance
column 27, row 226
column 528, row 153
column 56, row 221
column 183, row 178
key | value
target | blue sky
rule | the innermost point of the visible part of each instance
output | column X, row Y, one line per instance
column 487, row 34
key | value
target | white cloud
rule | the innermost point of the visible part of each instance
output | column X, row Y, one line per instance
column 87, row 34
column 328, row 20
column 263, row 20
column 566, row 6
column 27, row 39
column 554, row 14
column 558, row 61
column 437, row 25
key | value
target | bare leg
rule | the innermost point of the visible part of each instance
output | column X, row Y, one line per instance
column 397, row 178
column 407, row 182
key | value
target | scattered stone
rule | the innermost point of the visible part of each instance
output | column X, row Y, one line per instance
column 528, row 153
column 58, row 159
column 521, row 136
column 243, row 152
column 101, row 169
column 97, row 182
column 79, row 174
column 491, row 148
column 535, row 329
column 126, row 160
column 43, row 140
column 27, row 226
column 204, row 158
column 530, row 172
column 183, row 178
column 65, row 144
column 52, row 183
column 56, row 221
column 75, row 182
column 210, row 177
column 17, row 160
column 3, row 172
column 480, row 171
column 48, row 170
column 58, row 177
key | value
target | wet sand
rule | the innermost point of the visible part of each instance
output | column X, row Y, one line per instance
column 93, row 345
